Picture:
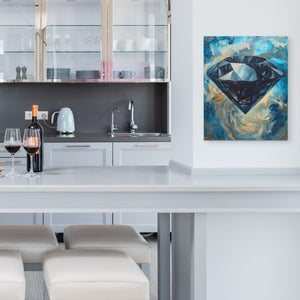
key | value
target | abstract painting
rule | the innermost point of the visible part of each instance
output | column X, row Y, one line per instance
column 245, row 88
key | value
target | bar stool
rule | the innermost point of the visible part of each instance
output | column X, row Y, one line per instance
column 93, row 275
column 12, row 279
column 32, row 241
column 110, row 237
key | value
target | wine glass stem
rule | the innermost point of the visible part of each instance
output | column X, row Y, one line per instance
column 12, row 163
column 31, row 164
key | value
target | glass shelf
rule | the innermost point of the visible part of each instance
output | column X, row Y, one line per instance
column 18, row 52
column 129, row 25
column 141, row 51
column 74, row 25
column 17, row 26
column 66, row 52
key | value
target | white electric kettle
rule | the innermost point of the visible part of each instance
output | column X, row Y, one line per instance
column 65, row 121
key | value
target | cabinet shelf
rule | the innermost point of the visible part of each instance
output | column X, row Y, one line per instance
column 25, row 26
column 140, row 51
column 129, row 25
column 18, row 52
column 67, row 52
column 75, row 25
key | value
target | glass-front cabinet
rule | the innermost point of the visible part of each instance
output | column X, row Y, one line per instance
column 139, row 40
column 17, row 40
column 73, row 32
column 84, row 40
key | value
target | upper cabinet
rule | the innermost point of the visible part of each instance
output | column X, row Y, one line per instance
column 139, row 33
column 73, row 37
column 18, row 40
column 84, row 40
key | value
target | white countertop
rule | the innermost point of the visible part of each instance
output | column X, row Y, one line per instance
column 151, row 179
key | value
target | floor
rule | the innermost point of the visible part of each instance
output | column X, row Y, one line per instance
column 34, row 290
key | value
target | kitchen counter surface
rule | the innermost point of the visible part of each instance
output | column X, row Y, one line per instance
column 152, row 179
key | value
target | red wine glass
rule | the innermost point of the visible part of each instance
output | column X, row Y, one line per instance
column 12, row 143
column 31, row 144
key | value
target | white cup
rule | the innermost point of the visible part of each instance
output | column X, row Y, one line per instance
column 115, row 44
column 128, row 45
column 153, row 44
column 144, row 44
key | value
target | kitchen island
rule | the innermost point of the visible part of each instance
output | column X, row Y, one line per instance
column 163, row 190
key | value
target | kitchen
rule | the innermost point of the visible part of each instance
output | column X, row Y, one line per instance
column 188, row 146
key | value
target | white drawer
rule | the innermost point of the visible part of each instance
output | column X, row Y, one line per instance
column 4, row 153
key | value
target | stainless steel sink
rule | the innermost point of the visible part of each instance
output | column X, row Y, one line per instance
column 137, row 134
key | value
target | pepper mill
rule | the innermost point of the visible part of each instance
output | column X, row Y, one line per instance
column 24, row 69
column 18, row 70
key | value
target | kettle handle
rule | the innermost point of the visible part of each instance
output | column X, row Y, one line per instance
column 53, row 115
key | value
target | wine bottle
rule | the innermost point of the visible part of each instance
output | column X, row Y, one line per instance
column 37, row 160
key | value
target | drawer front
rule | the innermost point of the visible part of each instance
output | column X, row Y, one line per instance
column 141, row 154
column 77, row 154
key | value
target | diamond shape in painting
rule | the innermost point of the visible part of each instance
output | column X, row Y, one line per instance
column 246, row 84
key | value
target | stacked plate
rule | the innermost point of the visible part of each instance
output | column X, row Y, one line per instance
column 154, row 72
column 87, row 74
column 58, row 73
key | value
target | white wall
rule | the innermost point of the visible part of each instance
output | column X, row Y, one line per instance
column 192, row 19
column 253, row 257
column 250, row 256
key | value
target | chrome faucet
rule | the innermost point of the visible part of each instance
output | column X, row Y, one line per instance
column 132, row 126
column 114, row 127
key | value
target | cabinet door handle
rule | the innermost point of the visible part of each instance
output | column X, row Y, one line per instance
column 3, row 150
column 78, row 146
column 9, row 161
column 147, row 146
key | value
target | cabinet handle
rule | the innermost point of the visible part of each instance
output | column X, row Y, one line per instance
column 9, row 161
column 78, row 146
column 3, row 150
column 147, row 146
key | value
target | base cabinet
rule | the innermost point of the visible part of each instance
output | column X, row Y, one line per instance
column 140, row 154
column 142, row 222
column 58, row 222
column 74, row 155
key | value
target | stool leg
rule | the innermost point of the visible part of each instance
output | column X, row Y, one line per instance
column 46, row 296
column 146, row 269
column 163, row 256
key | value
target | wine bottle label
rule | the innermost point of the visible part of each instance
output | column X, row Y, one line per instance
column 32, row 142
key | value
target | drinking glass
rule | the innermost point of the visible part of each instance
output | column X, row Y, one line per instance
column 31, row 144
column 12, row 143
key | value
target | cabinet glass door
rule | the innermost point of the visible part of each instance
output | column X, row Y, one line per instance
column 17, row 40
column 73, row 39
column 139, row 41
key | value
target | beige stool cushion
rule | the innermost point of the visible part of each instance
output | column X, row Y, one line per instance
column 12, row 279
column 110, row 237
column 31, row 240
column 93, row 275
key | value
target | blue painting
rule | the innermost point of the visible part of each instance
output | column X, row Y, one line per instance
column 245, row 88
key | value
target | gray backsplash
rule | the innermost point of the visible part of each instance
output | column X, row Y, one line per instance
column 91, row 104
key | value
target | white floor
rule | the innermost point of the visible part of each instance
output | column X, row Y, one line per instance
column 34, row 290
